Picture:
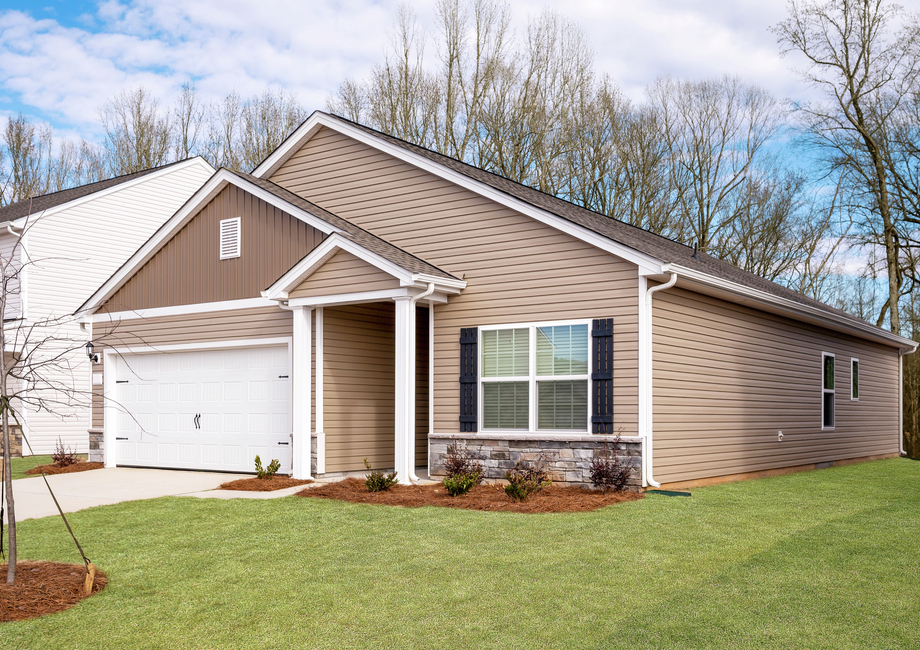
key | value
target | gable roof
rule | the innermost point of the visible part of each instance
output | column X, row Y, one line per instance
column 38, row 204
column 286, row 201
column 668, row 255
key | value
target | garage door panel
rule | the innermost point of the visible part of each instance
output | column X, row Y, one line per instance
column 209, row 409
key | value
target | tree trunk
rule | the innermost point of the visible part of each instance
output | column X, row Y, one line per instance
column 10, row 510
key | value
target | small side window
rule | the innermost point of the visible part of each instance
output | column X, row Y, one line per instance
column 854, row 380
column 229, row 238
column 827, row 391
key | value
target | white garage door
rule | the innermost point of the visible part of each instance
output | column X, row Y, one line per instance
column 209, row 409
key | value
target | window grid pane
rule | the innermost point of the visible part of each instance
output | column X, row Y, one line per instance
column 856, row 380
column 562, row 405
column 506, row 353
column 506, row 405
column 829, row 373
column 562, row 350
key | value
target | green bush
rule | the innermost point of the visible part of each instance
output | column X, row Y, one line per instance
column 461, row 483
column 527, row 477
column 269, row 471
column 378, row 481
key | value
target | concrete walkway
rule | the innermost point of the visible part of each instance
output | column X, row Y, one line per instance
column 101, row 487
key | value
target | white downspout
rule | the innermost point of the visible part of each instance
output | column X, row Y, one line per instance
column 901, row 402
column 410, row 443
column 647, row 438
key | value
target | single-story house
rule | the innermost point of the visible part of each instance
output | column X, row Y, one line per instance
column 358, row 296
column 56, row 249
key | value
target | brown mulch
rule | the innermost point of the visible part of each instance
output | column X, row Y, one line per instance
column 43, row 588
column 257, row 484
column 76, row 467
column 482, row 497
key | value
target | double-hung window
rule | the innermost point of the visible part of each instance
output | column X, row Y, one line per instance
column 535, row 377
column 827, row 391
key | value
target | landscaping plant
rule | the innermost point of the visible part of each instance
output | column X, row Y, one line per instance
column 63, row 456
column 608, row 472
column 269, row 471
column 463, row 469
column 527, row 477
column 377, row 481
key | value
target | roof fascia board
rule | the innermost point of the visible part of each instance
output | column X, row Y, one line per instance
column 197, row 160
column 211, row 188
column 309, row 128
column 321, row 254
column 782, row 306
column 367, row 296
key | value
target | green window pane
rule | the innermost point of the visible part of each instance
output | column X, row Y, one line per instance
column 506, row 353
column 562, row 405
column 506, row 405
column 562, row 350
column 829, row 373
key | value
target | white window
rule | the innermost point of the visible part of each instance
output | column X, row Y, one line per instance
column 854, row 380
column 827, row 391
column 535, row 377
column 229, row 238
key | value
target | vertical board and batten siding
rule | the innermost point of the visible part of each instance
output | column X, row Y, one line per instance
column 344, row 273
column 242, row 324
column 358, row 386
column 80, row 246
column 188, row 269
column 517, row 269
column 728, row 378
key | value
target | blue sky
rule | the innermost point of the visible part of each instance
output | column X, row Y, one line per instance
column 61, row 59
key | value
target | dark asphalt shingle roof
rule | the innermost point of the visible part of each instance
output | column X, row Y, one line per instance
column 352, row 232
column 38, row 204
column 643, row 241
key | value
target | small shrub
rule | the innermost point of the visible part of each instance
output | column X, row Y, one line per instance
column 608, row 472
column 463, row 469
column 527, row 477
column 461, row 483
column 377, row 481
column 63, row 456
column 269, row 471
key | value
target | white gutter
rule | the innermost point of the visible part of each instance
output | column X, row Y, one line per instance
column 647, row 436
column 410, row 443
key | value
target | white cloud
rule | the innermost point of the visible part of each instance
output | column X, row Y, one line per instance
column 64, row 72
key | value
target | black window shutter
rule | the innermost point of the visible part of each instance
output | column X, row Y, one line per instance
column 602, row 377
column 469, row 378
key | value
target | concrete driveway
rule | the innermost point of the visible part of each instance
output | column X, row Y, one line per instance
column 101, row 487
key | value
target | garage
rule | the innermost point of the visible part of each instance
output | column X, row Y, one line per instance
column 212, row 409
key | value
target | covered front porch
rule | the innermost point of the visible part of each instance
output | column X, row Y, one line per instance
column 362, row 345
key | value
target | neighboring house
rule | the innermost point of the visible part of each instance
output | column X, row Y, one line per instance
column 360, row 297
column 73, row 240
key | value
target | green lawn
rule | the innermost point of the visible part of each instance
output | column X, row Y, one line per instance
column 20, row 465
column 824, row 559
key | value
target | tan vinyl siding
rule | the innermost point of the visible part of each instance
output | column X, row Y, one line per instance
column 518, row 270
column 344, row 273
column 188, row 269
column 358, row 400
column 235, row 325
column 728, row 378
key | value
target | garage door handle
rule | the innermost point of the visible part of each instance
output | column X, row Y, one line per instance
column 197, row 420
column 117, row 438
column 282, row 443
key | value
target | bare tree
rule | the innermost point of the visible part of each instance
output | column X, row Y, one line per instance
column 27, row 148
column 854, row 58
column 188, row 120
column 138, row 133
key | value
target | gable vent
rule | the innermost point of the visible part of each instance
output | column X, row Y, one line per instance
column 229, row 238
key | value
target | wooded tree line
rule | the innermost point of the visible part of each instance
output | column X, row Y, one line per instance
column 715, row 163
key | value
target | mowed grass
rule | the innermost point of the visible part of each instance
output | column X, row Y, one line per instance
column 823, row 559
column 20, row 465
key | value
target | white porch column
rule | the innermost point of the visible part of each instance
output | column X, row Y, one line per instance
column 404, row 419
column 320, row 430
column 301, row 391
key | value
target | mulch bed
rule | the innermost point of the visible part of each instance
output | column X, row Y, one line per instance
column 482, row 497
column 76, row 467
column 43, row 588
column 257, row 484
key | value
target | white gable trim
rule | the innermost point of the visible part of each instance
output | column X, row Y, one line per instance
column 186, row 213
column 309, row 128
column 171, row 169
column 336, row 242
